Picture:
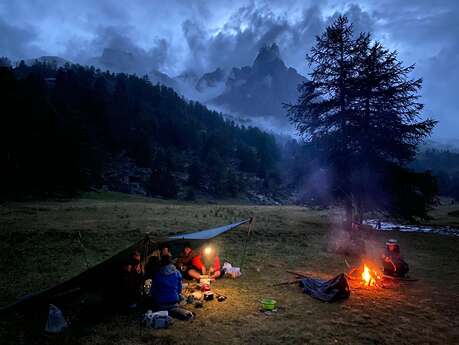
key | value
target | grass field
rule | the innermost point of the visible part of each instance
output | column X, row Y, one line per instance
column 39, row 247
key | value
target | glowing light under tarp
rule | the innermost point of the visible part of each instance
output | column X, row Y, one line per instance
column 208, row 250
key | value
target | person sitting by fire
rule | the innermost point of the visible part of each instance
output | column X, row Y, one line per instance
column 393, row 263
column 207, row 262
column 154, row 262
column 185, row 265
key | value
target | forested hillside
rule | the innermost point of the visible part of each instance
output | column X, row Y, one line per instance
column 444, row 165
column 76, row 128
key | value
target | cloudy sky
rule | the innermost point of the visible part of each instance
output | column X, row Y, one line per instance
column 177, row 35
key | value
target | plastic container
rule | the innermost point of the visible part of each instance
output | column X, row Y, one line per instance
column 268, row 303
column 204, row 280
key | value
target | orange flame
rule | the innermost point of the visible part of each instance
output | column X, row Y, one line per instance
column 367, row 277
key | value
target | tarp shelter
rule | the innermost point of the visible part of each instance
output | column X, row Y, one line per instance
column 94, row 278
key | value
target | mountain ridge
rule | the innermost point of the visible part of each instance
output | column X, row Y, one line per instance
column 254, row 92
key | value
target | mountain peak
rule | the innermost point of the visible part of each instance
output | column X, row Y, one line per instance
column 268, row 60
column 268, row 53
column 260, row 90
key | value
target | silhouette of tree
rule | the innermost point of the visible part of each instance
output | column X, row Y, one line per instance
column 360, row 111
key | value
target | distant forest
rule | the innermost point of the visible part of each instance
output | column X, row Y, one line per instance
column 444, row 165
column 74, row 128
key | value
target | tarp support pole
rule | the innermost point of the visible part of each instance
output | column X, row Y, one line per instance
column 249, row 233
column 79, row 239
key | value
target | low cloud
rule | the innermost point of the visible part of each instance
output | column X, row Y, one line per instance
column 16, row 42
column 113, row 48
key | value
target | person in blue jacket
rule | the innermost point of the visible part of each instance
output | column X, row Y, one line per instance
column 166, row 285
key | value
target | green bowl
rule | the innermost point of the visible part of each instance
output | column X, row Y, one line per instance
column 268, row 303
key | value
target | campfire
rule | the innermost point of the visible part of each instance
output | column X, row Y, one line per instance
column 369, row 276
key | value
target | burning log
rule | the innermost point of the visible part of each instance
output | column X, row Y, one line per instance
column 368, row 277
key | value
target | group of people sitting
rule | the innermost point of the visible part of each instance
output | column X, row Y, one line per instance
column 165, row 275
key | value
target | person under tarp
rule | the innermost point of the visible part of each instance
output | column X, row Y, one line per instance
column 124, row 288
column 185, row 263
column 154, row 261
column 392, row 260
column 166, row 288
column 207, row 262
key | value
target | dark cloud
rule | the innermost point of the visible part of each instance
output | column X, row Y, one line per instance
column 426, row 34
column 200, row 35
column 17, row 43
column 238, row 40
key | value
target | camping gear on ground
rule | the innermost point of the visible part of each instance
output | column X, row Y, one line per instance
column 148, row 318
column 230, row 271
column 197, row 295
column 204, row 280
column 181, row 314
column 190, row 299
column 176, row 311
column 220, row 297
column 268, row 304
column 158, row 320
column 208, row 296
column 56, row 322
column 328, row 291
column 205, row 287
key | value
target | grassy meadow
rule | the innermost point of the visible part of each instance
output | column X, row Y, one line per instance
column 43, row 243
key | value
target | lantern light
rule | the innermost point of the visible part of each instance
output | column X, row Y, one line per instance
column 208, row 250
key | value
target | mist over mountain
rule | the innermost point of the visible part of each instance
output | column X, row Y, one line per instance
column 261, row 89
column 255, row 92
column 211, row 80
column 50, row 60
